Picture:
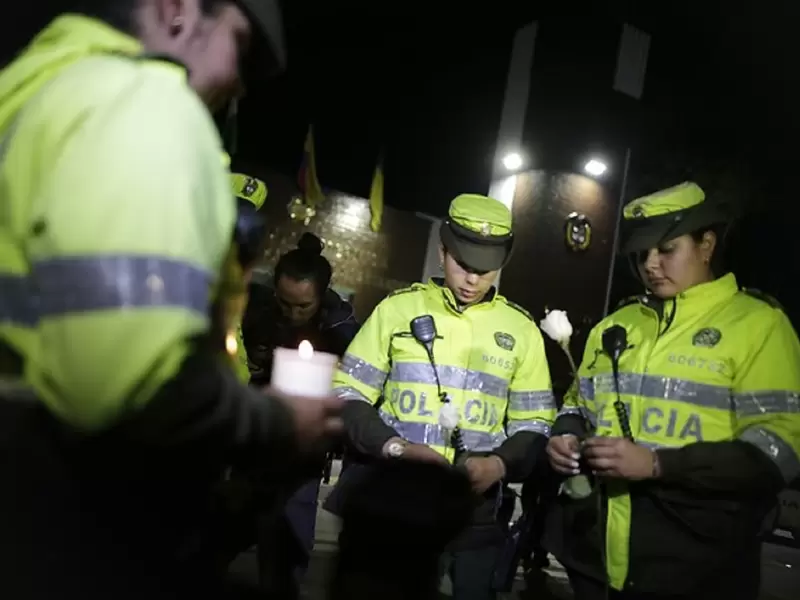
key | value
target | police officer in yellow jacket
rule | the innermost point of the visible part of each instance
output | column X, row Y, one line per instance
column 117, row 232
column 708, row 383
column 486, row 363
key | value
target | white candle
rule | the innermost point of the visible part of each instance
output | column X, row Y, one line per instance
column 303, row 372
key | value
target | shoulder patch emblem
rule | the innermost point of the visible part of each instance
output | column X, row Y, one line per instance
column 707, row 337
column 505, row 340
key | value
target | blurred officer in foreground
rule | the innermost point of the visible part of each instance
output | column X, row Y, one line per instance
column 470, row 386
column 119, row 247
column 705, row 430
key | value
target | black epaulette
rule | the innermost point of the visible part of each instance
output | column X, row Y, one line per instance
column 629, row 300
column 517, row 307
column 412, row 288
column 759, row 295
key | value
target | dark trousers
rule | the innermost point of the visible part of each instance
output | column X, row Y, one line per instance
column 588, row 588
column 285, row 542
column 472, row 572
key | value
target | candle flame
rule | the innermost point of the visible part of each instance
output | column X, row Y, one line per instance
column 231, row 345
column 305, row 350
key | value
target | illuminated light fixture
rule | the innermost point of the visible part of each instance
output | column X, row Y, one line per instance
column 513, row 161
column 595, row 167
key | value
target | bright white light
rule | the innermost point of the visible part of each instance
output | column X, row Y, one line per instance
column 595, row 167
column 305, row 350
column 512, row 161
column 231, row 345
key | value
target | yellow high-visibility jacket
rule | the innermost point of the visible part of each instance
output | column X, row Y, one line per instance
column 116, row 220
column 714, row 364
column 490, row 361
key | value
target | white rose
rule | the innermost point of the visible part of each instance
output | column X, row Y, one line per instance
column 557, row 326
column 448, row 416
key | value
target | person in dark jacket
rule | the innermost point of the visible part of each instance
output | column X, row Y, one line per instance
column 299, row 306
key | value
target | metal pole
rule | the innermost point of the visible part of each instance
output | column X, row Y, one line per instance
column 615, row 243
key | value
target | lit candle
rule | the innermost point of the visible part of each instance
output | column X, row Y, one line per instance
column 303, row 372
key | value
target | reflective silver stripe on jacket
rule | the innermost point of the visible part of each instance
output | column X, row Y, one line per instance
column 752, row 404
column 348, row 393
column 16, row 390
column 653, row 386
column 450, row 377
column 531, row 401
column 570, row 410
column 16, row 305
column 533, row 425
column 435, row 435
column 778, row 450
column 74, row 285
column 362, row 371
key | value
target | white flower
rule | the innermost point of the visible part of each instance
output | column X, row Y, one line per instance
column 557, row 326
column 448, row 416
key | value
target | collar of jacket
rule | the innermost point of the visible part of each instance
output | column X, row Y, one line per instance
column 438, row 287
column 334, row 310
column 63, row 42
column 699, row 298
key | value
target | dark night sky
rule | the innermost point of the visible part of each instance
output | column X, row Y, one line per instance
column 424, row 82
column 426, row 87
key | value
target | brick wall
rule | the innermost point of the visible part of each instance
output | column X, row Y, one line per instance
column 367, row 264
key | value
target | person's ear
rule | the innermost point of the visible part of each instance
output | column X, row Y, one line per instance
column 441, row 256
column 182, row 17
column 707, row 246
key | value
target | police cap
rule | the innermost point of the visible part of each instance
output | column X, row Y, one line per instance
column 249, row 188
column 477, row 232
column 652, row 220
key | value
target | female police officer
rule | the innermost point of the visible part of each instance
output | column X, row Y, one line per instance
column 489, row 362
column 708, row 381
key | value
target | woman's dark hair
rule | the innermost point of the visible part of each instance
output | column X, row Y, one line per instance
column 306, row 263
column 718, row 258
column 121, row 14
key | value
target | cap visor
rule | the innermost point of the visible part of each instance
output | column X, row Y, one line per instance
column 650, row 233
column 481, row 257
column 642, row 237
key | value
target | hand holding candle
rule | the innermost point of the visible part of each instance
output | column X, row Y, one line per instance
column 301, row 380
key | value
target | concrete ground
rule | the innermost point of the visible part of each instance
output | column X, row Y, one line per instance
column 780, row 574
